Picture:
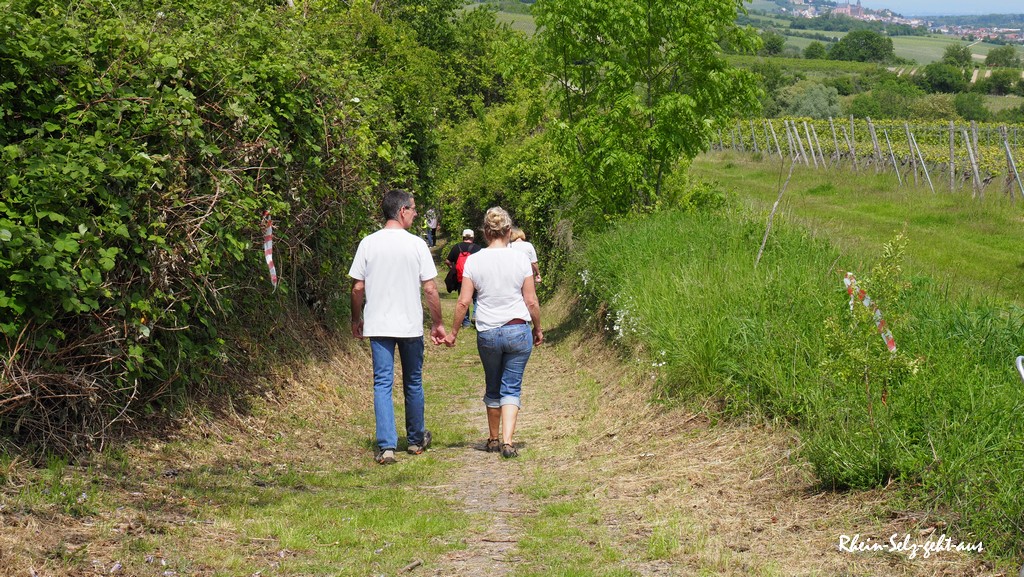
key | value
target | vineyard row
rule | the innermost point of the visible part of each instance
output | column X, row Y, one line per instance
column 973, row 155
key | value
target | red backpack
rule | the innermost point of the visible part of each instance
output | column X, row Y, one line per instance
column 460, row 265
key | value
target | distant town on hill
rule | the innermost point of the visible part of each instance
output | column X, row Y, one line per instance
column 998, row 28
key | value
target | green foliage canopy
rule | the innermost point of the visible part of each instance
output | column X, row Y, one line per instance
column 815, row 51
column 141, row 143
column 958, row 55
column 639, row 84
column 863, row 46
column 1004, row 56
column 943, row 77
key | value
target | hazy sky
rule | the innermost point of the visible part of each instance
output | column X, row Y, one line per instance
column 946, row 7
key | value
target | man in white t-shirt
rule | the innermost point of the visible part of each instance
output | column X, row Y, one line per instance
column 389, row 269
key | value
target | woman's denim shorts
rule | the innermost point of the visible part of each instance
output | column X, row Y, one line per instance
column 504, row 352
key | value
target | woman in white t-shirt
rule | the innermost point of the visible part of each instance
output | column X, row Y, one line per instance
column 519, row 243
column 506, row 303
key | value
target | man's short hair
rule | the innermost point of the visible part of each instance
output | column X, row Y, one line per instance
column 394, row 200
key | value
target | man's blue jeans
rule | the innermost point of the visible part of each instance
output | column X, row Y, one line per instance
column 410, row 350
column 503, row 353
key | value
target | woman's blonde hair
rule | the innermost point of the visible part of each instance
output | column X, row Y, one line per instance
column 517, row 234
column 497, row 223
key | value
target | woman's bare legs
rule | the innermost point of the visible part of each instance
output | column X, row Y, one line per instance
column 508, row 423
column 493, row 419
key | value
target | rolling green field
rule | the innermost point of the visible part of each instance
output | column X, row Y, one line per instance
column 521, row 22
column 762, row 6
column 921, row 49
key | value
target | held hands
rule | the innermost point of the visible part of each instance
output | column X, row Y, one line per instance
column 450, row 340
column 438, row 336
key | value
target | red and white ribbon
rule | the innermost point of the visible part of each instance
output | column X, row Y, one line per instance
column 857, row 293
column 268, row 246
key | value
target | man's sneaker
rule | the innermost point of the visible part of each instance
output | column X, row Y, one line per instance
column 385, row 457
column 423, row 446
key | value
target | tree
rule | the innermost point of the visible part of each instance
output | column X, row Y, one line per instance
column 810, row 99
column 891, row 98
column 943, row 77
column 815, row 51
column 971, row 106
column 772, row 43
column 1005, row 56
column 640, row 83
column 934, row 107
column 1002, row 81
column 863, row 46
column 958, row 55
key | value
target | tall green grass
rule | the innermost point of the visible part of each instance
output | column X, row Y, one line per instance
column 780, row 341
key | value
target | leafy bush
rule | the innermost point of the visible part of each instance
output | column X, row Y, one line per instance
column 142, row 143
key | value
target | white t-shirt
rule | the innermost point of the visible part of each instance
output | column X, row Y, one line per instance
column 394, row 264
column 526, row 248
column 498, row 275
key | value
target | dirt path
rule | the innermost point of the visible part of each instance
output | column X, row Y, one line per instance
column 668, row 492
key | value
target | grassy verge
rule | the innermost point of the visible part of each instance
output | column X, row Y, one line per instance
column 287, row 488
column 781, row 341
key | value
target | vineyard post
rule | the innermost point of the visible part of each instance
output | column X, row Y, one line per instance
column 974, row 141
column 800, row 143
column 721, row 143
column 732, row 134
column 789, row 141
column 924, row 167
column 974, row 165
column 753, row 135
column 892, row 157
column 821, row 153
column 739, row 133
column 767, row 141
column 1013, row 165
column 810, row 145
column 853, row 143
column 849, row 145
column 874, row 143
column 774, row 137
column 910, row 147
column 952, row 154
column 835, row 139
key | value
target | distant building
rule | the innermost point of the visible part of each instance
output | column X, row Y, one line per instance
column 850, row 10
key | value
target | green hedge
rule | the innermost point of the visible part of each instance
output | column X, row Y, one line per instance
column 141, row 143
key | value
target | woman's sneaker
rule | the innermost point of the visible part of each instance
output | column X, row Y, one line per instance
column 423, row 446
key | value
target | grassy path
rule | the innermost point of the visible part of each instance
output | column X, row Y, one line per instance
column 608, row 484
